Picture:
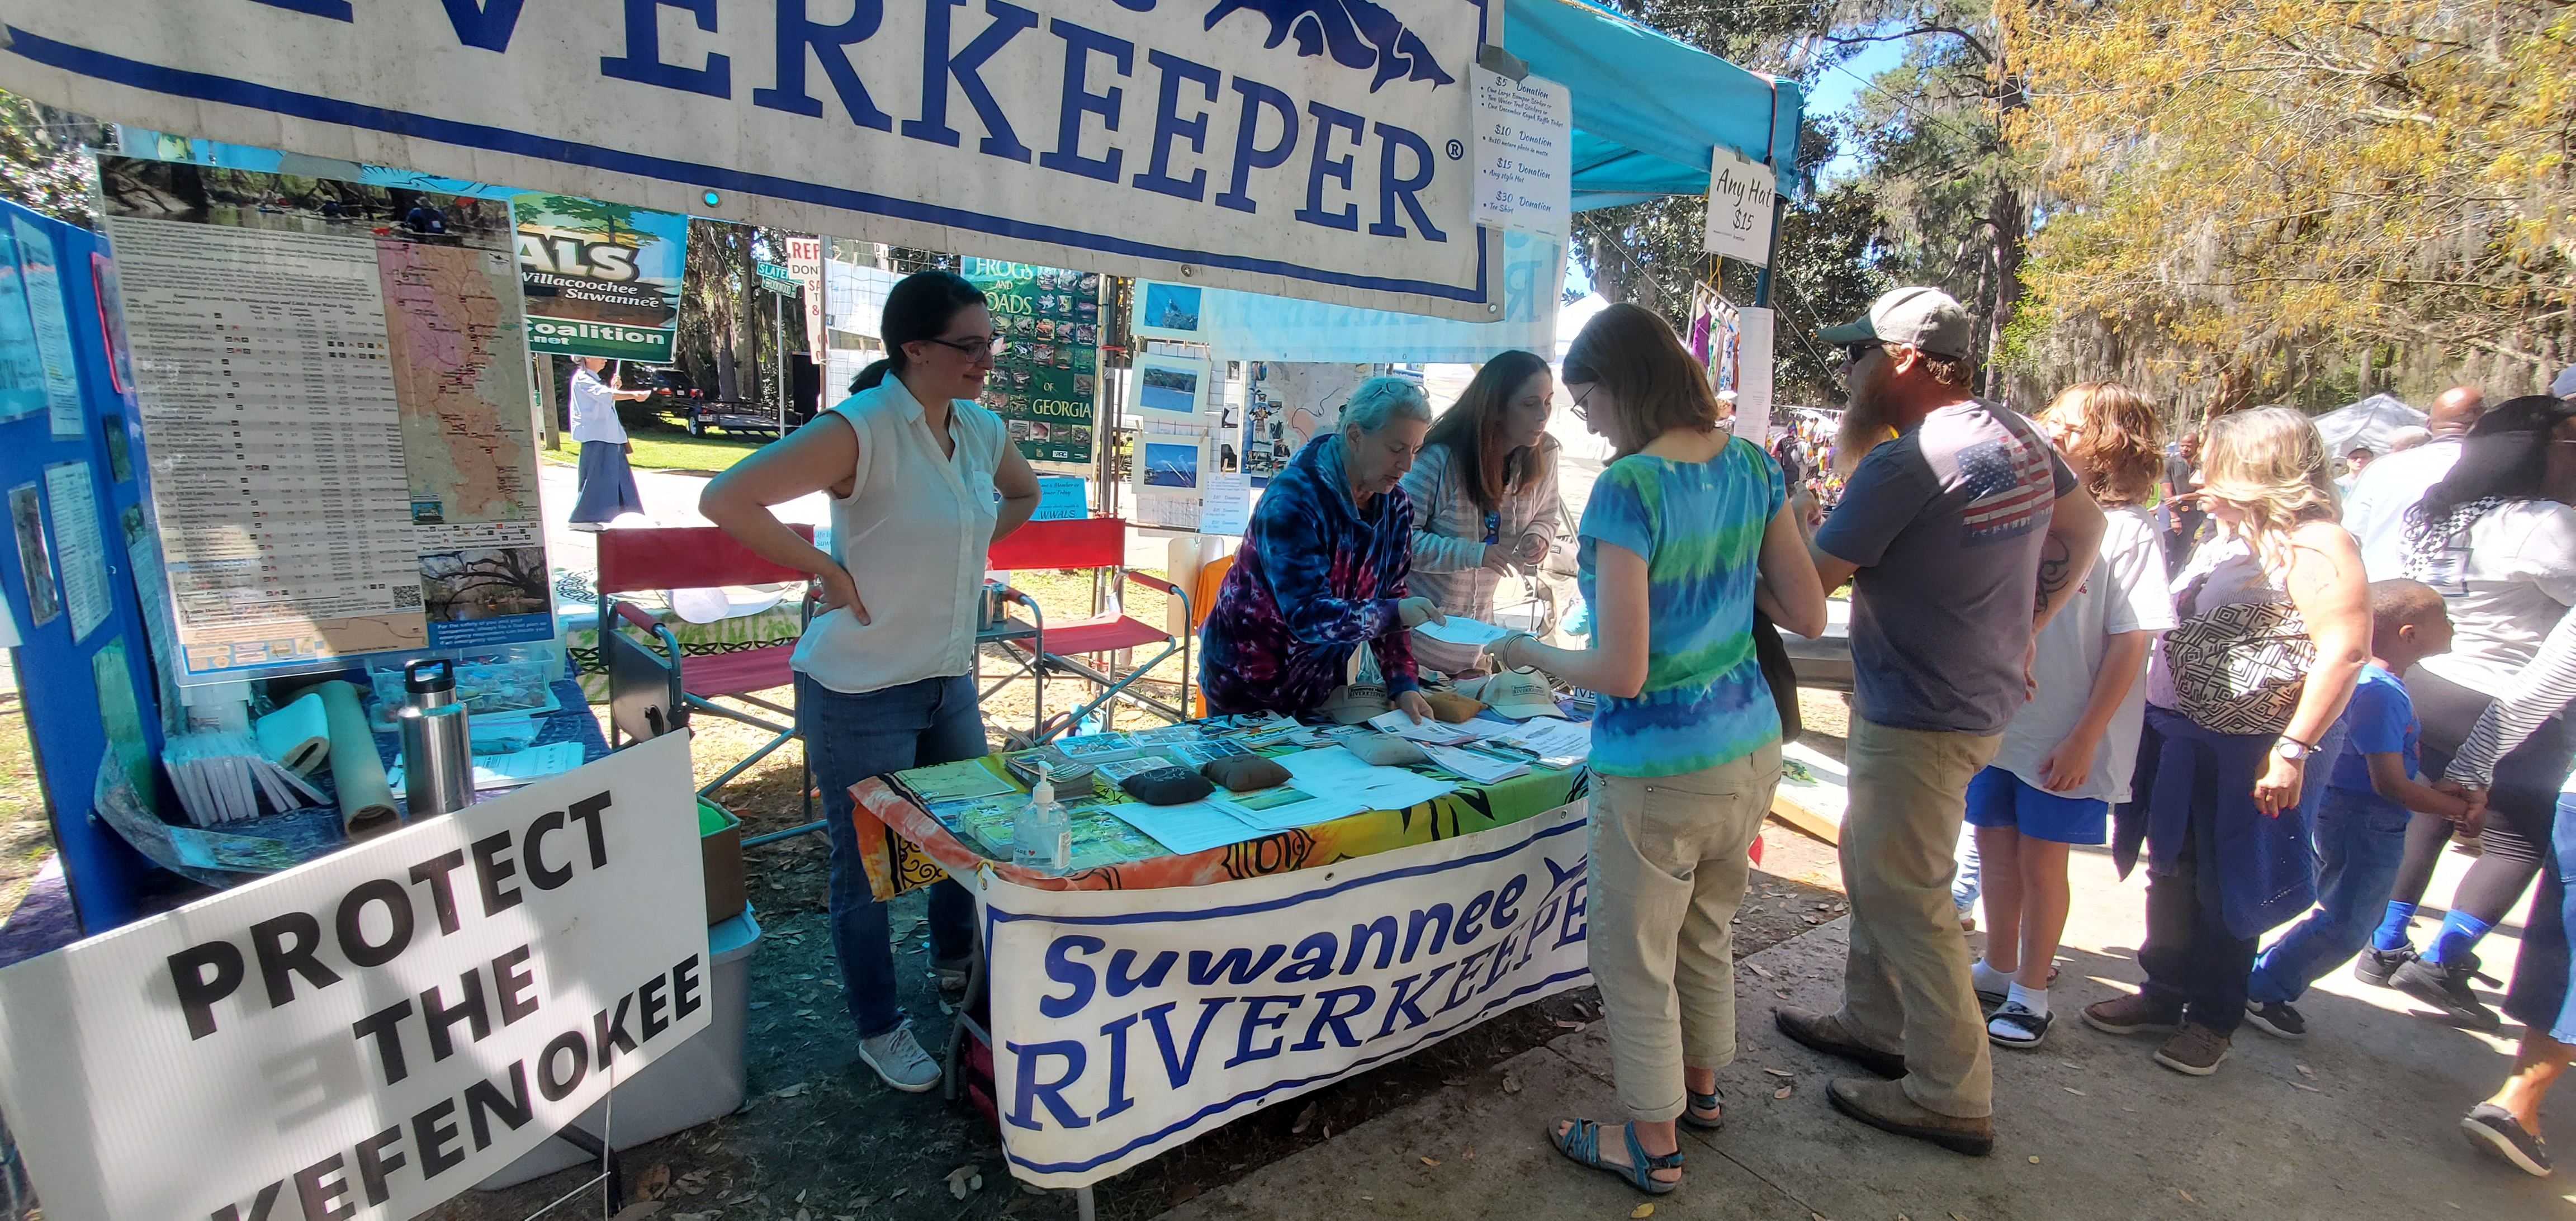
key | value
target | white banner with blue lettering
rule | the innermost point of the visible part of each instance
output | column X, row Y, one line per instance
column 1127, row 1022
column 1312, row 148
column 1246, row 326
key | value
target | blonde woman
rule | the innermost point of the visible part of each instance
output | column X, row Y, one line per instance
column 2066, row 758
column 2221, row 797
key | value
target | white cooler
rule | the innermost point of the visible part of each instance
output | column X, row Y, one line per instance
column 689, row 1085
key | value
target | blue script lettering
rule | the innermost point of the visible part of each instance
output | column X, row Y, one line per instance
column 1169, row 126
column 1176, row 1067
column 1080, row 42
column 1248, row 153
column 938, row 67
column 1324, row 165
column 1330, row 1013
column 1253, row 1021
column 1027, row 1089
column 643, row 64
column 1392, row 189
column 797, row 34
column 1061, row 968
column 486, row 24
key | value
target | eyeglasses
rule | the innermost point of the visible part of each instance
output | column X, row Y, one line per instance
column 1854, row 353
column 1580, row 411
column 974, row 345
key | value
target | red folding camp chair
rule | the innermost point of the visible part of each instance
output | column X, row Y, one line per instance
column 650, row 692
column 1095, row 543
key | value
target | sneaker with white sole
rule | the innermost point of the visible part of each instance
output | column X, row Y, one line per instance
column 2279, row 1019
column 2494, row 1129
column 899, row 1060
column 2016, row 1025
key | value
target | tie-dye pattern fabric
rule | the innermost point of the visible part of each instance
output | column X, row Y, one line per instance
column 1699, row 525
column 1315, row 578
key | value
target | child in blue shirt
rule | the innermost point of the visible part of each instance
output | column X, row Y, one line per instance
column 2361, row 824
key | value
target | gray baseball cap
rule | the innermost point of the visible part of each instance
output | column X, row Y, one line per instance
column 1925, row 319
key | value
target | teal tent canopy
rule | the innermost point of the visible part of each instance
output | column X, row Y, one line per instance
column 1649, row 110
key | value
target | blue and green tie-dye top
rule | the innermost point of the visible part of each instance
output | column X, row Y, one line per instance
column 1699, row 525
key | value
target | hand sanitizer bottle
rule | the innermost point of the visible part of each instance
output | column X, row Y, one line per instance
column 1042, row 838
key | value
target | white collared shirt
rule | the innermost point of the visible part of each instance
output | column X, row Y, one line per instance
column 594, row 410
column 912, row 534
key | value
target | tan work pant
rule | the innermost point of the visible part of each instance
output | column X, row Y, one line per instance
column 1668, row 864
column 1906, row 986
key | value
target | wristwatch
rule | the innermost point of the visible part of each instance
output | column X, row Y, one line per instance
column 2293, row 749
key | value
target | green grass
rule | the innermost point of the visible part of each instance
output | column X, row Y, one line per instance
column 673, row 451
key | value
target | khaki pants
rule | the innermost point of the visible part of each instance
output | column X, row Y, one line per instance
column 1906, row 986
column 1667, row 868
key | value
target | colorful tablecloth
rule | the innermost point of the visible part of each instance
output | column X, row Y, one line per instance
column 906, row 847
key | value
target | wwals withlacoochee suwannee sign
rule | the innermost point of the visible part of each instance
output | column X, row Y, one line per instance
column 377, row 1031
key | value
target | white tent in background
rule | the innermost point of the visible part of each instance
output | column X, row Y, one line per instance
column 2368, row 422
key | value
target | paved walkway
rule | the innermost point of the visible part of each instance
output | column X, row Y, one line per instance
column 2357, row 1122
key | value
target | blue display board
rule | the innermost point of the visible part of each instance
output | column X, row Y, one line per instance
column 73, row 478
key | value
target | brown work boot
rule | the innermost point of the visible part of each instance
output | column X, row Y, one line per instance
column 2135, row 1013
column 1883, row 1105
column 1825, row 1032
column 2195, row 1051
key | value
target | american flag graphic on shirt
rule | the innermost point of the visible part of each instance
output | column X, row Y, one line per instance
column 2008, row 483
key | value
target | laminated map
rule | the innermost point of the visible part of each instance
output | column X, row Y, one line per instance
column 333, row 384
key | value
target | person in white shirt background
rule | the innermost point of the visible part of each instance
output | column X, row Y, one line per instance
column 2374, row 508
column 607, row 484
column 2497, row 539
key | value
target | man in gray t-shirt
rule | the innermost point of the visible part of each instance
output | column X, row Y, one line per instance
column 1963, row 534
column 1944, row 524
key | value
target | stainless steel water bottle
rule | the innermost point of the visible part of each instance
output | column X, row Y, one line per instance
column 438, row 757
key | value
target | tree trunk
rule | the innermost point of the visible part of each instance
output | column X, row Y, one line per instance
column 2009, row 215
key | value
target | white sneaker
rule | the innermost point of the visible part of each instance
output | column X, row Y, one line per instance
column 899, row 1060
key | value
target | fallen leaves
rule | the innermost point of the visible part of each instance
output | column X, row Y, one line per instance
column 1781, row 1072
column 1642, row 1210
column 963, row 1180
column 1511, row 1082
column 1430, row 1161
column 1562, row 1024
column 1784, row 1091
column 1305, row 1120
column 790, row 1091
column 2072, row 1090
column 637, row 1212
column 2186, row 1196
column 2306, row 1071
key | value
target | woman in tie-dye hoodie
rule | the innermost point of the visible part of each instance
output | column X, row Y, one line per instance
column 1322, row 567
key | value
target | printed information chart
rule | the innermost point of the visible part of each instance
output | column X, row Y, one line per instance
column 332, row 379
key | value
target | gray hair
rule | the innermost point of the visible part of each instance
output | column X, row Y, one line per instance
column 1382, row 399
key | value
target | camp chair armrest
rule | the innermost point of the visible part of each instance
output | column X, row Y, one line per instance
column 635, row 617
column 1155, row 583
column 1161, row 586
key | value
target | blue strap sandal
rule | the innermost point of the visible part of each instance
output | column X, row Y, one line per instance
column 1582, row 1142
column 1714, row 1100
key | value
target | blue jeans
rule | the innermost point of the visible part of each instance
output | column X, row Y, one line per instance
column 849, row 738
column 2541, row 999
column 2360, row 838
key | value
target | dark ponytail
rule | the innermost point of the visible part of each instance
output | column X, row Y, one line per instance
column 919, row 307
column 2505, row 455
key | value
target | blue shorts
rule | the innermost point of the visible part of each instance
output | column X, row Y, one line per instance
column 1998, row 798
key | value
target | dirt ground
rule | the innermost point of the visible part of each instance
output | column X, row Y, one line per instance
column 822, row 1139
column 26, row 839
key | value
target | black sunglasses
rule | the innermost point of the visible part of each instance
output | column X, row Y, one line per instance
column 1854, row 353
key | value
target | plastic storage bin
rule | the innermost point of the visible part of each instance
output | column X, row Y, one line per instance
column 691, row 1084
